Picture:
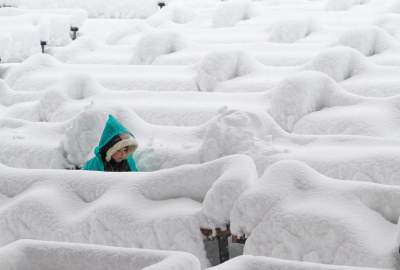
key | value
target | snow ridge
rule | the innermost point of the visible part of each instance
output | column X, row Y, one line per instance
column 305, row 216
column 149, row 210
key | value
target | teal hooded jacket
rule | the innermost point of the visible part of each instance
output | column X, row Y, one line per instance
column 112, row 128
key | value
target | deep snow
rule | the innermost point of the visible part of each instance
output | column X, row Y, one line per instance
column 280, row 117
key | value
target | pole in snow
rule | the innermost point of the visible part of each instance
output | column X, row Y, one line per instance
column 43, row 44
column 161, row 4
column 74, row 30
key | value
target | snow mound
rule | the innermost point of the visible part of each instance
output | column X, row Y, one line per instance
column 389, row 22
column 304, row 93
column 230, row 132
column 33, row 63
column 289, row 31
column 338, row 5
column 46, row 255
column 340, row 63
column 73, row 87
column 366, row 119
column 20, row 39
column 369, row 40
column 175, row 12
column 56, row 30
column 159, row 210
column 235, row 131
column 156, row 43
column 135, row 27
column 10, row 97
column 247, row 262
column 28, row 144
column 231, row 12
column 52, row 27
column 295, row 213
column 82, row 44
column 220, row 66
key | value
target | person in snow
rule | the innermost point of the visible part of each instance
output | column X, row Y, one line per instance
column 114, row 152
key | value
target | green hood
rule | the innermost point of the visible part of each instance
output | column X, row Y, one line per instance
column 112, row 128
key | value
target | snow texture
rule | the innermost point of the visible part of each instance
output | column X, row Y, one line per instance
column 134, row 27
column 18, row 41
column 340, row 63
column 295, row 213
column 231, row 12
column 304, row 93
column 369, row 40
column 289, row 31
column 248, row 262
column 46, row 255
column 156, row 43
column 223, row 65
column 340, row 5
column 159, row 210
column 53, row 25
column 162, row 146
column 10, row 97
column 175, row 12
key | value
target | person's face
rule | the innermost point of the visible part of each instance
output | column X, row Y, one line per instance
column 121, row 154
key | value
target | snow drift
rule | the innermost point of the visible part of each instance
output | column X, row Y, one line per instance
column 340, row 63
column 238, row 132
column 296, row 213
column 10, row 97
column 248, row 262
column 159, row 210
column 289, row 31
column 223, row 65
column 304, row 93
column 42, row 71
column 231, row 12
column 156, row 43
column 176, row 12
column 18, row 42
column 30, row 65
column 46, row 255
column 369, row 40
column 135, row 27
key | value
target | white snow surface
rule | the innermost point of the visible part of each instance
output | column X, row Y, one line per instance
column 22, row 30
column 72, row 117
column 225, row 71
column 158, row 210
column 46, row 255
column 295, row 213
column 303, row 93
column 248, row 262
